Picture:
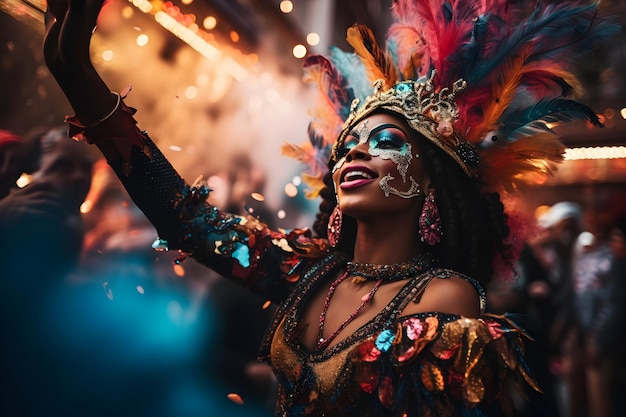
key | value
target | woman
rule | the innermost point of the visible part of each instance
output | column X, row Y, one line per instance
column 383, row 312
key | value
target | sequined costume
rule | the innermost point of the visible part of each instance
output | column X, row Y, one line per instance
column 428, row 364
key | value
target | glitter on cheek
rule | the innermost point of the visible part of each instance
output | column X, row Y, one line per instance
column 413, row 191
column 338, row 165
column 402, row 158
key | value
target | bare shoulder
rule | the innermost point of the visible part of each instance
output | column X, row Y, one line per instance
column 452, row 295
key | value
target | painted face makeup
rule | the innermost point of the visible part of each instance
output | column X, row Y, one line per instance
column 389, row 142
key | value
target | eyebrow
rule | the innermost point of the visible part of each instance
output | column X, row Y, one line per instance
column 378, row 128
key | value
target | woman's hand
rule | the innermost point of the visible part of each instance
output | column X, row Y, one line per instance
column 69, row 27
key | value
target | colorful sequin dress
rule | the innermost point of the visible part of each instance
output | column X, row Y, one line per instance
column 428, row 364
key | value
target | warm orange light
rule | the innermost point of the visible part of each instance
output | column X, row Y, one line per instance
column 142, row 40
column 286, row 6
column 107, row 55
column 313, row 38
column 291, row 190
column 299, row 51
column 209, row 22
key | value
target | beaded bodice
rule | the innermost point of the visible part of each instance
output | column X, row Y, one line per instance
column 345, row 379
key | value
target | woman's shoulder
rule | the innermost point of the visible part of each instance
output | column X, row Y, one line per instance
column 449, row 292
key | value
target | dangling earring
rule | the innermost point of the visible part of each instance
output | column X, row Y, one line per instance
column 334, row 227
column 430, row 221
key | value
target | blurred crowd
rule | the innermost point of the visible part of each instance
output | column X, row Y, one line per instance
column 569, row 294
column 96, row 322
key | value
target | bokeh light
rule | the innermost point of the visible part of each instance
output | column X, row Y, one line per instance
column 313, row 38
column 209, row 22
column 299, row 51
column 286, row 6
column 107, row 55
column 142, row 40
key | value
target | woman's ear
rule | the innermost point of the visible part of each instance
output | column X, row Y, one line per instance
column 427, row 186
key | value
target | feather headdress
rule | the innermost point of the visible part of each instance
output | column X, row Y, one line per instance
column 500, row 79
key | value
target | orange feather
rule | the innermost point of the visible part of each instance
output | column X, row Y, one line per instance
column 527, row 160
column 378, row 63
column 506, row 81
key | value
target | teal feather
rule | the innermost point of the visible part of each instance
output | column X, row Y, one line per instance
column 559, row 31
column 353, row 71
column 534, row 119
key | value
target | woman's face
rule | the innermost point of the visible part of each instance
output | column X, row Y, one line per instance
column 378, row 169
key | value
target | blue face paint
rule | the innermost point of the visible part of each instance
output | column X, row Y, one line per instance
column 388, row 142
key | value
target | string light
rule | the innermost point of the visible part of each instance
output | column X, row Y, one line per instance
column 184, row 27
column 598, row 152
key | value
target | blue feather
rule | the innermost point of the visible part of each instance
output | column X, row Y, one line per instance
column 353, row 71
column 485, row 33
column 557, row 31
column 529, row 121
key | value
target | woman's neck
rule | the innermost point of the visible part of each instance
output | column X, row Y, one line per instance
column 384, row 243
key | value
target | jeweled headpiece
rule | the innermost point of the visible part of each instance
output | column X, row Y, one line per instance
column 426, row 110
column 471, row 76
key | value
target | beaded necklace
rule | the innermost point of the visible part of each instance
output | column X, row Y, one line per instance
column 362, row 273
column 393, row 272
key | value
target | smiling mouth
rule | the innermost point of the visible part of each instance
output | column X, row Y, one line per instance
column 357, row 177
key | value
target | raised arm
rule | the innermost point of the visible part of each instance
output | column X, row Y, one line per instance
column 69, row 27
column 238, row 247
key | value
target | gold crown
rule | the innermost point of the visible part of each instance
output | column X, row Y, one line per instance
column 427, row 110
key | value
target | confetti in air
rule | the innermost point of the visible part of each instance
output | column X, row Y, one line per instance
column 236, row 398
column 257, row 196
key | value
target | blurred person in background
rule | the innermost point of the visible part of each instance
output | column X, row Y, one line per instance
column 18, row 155
column 42, row 221
column 528, row 295
column 585, row 369
column 41, row 234
column 611, row 323
column 554, row 247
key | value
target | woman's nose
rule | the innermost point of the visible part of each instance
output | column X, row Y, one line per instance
column 360, row 151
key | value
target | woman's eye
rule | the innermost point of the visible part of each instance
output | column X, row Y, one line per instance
column 387, row 140
column 348, row 144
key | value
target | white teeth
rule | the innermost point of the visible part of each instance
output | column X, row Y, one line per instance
column 354, row 175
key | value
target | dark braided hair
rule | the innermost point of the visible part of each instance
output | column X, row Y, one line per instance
column 474, row 222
